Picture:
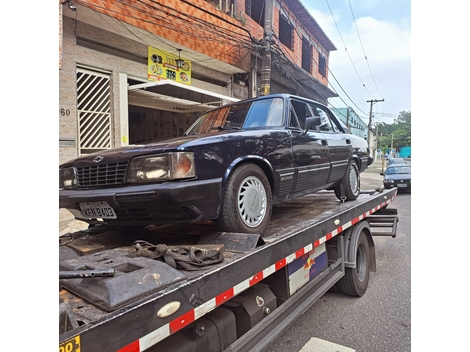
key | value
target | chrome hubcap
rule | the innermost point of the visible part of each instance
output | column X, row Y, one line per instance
column 252, row 201
column 361, row 264
column 353, row 180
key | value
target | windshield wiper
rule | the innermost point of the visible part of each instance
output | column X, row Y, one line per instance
column 221, row 128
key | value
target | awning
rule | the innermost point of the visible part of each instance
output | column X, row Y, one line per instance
column 305, row 81
column 140, row 96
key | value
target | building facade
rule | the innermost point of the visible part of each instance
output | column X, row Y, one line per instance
column 138, row 72
column 352, row 120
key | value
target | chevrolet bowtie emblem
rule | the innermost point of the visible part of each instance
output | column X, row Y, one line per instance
column 98, row 159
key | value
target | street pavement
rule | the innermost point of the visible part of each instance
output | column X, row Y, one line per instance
column 370, row 179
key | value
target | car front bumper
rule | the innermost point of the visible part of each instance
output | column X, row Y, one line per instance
column 150, row 203
column 402, row 186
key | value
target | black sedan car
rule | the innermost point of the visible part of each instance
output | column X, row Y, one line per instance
column 231, row 166
column 398, row 176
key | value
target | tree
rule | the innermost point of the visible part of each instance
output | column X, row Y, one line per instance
column 404, row 116
column 399, row 132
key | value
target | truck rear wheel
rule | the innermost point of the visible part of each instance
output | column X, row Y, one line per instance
column 355, row 280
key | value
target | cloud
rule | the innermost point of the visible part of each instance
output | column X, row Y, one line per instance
column 385, row 74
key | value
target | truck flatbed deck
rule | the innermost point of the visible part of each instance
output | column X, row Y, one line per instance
column 147, row 301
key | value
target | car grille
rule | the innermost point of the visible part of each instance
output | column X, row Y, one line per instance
column 112, row 174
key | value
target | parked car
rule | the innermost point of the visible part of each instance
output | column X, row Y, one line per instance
column 398, row 176
column 231, row 166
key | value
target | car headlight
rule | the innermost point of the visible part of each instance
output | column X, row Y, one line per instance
column 163, row 167
column 388, row 181
column 68, row 178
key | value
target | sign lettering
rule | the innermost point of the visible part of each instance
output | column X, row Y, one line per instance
column 162, row 66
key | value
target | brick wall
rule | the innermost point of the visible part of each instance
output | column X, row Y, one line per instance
column 174, row 20
column 295, row 55
column 74, row 55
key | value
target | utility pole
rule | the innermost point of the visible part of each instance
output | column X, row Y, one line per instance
column 372, row 102
column 266, row 60
column 376, row 140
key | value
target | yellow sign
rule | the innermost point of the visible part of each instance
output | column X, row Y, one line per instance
column 162, row 65
column 72, row 345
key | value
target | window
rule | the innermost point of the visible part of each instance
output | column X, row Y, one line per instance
column 306, row 55
column 255, row 9
column 293, row 120
column 326, row 125
column 221, row 5
column 322, row 65
column 262, row 113
column 266, row 112
column 302, row 111
column 338, row 124
column 285, row 32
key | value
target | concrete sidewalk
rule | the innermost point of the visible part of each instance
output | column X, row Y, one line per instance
column 68, row 224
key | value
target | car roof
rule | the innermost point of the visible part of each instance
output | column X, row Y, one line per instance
column 398, row 165
column 276, row 95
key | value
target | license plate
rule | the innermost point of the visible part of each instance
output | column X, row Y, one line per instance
column 402, row 185
column 98, row 210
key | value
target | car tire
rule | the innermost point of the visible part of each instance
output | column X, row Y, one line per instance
column 350, row 187
column 355, row 280
column 247, row 201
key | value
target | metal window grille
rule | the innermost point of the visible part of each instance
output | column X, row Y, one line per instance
column 94, row 111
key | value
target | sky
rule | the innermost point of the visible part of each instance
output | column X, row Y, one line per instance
column 373, row 56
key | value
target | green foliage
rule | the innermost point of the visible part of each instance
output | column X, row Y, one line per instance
column 399, row 132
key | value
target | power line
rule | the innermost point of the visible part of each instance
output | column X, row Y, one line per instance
column 281, row 50
column 347, row 51
column 362, row 46
column 345, row 93
column 166, row 17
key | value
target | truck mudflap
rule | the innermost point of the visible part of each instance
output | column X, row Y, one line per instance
column 299, row 236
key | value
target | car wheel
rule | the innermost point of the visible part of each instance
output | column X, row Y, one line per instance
column 350, row 187
column 246, row 203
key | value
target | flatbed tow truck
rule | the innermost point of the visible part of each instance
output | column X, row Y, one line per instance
column 116, row 293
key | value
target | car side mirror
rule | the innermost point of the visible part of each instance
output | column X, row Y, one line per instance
column 382, row 173
column 311, row 122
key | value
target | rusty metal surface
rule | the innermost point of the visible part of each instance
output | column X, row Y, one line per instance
column 238, row 242
column 134, row 278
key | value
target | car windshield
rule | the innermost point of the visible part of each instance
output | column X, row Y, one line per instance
column 261, row 113
column 397, row 160
column 398, row 170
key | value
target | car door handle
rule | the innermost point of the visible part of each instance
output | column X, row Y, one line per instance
column 323, row 142
column 348, row 141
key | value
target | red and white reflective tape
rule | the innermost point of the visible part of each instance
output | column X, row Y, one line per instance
column 163, row 332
